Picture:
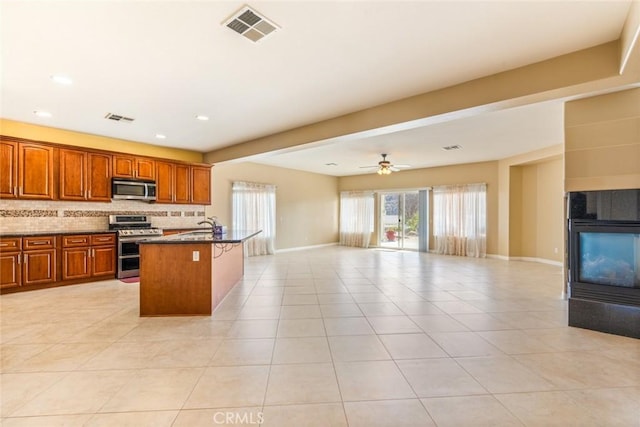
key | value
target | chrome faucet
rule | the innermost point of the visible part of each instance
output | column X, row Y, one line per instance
column 210, row 220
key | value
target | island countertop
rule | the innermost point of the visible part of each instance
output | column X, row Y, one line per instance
column 203, row 236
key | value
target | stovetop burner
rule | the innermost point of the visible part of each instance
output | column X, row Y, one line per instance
column 132, row 225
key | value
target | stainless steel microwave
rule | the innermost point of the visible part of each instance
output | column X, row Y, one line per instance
column 133, row 189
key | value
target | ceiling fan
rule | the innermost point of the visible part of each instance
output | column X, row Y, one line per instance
column 385, row 167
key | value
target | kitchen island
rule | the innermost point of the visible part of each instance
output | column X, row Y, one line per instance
column 188, row 274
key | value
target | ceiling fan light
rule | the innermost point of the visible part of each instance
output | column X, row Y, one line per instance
column 380, row 172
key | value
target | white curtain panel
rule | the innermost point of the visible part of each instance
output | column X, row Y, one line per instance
column 460, row 219
column 356, row 218
column 254, row 208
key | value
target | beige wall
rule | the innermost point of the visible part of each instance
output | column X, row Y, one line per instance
column 78, row 139
column 306, row 203
column 541, row 173
column 537, row 211
column 420, row 178
column 602, row 138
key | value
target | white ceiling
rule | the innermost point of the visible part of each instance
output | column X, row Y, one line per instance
column 164, row 62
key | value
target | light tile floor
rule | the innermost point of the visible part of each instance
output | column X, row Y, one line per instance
column 325, row 337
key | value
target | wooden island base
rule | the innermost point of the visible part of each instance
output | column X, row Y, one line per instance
column 174, row 283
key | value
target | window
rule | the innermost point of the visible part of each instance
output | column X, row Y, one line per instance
column 356, row 218
column 460, row 219
column 254, row 208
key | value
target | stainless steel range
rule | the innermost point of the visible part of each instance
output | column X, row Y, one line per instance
column 131, row 229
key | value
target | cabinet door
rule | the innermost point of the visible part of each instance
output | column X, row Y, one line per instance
column 182, row 187
column 8, row 169
column 145, row 168
column 164, row 182
column 103, row 260
column 201, row 185
column 99, row 177
column 76, row 263
column 10, row 270
column 35, row 171
column 73, row 175
column 124, row 166
column 39, row 267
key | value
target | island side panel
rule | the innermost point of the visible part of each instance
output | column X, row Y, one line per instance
column 227, row 269
column 172, row 283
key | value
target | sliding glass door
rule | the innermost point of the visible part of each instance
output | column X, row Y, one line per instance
column 399, row 220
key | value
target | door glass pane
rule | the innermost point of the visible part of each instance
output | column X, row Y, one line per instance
column 399, row 220
column 411, row 220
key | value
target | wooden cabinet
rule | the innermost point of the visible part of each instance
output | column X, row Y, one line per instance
column 35, row 171
column 173, row 182
column 84, row 175
column 27, row 261
column 8, row 169
column 10, row 262
column 103, row 255
column 133, row 167
column 38, row 260
column 26, row 170
column 85, row 256
column 201, row 185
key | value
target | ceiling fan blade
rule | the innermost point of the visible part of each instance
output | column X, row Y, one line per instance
column 401, row 166
column 366, row 167
column 394, row 169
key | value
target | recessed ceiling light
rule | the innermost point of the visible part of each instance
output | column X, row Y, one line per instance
column 41, row 113
column 202, row 118
column 160, row 136
column 61, row 79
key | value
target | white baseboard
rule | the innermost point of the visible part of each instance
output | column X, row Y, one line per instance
column 302, row 248
column 540, row 260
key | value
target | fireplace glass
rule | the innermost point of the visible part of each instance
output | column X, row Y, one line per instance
column 610, row 259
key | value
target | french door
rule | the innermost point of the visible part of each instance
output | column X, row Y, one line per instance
column 400, row 220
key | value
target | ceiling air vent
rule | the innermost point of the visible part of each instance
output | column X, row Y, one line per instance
column 452, row 147
column 118, row 118
column 250, row 24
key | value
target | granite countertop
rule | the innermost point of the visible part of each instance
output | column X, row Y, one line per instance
column 53, row 233
column 204, row 236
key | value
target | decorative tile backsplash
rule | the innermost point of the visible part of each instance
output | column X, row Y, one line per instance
column 18, row 216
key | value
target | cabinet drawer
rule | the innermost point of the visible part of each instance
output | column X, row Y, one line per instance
column 75, row 241
column 103, row 239
column 40, row 242
column 10, row 244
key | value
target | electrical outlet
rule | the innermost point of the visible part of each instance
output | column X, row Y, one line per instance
column 196, row 255
column 555, row 250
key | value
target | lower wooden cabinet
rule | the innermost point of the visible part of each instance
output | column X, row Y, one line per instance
column 44, row 261
column 10, row 270
column 86, row 256
column 39, row 267
column 27, row 261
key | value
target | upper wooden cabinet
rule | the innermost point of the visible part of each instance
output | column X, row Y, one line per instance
column 84, row 175
column 201, row 185
column 33, row 170
column 133, row 167
column 26, row 170
column 8, row 169
column 173, row 182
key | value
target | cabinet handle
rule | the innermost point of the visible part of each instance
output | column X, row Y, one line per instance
column 19, row 258
column 41, row 242
column 4, row 244
column 26, row 259
column 93, row 253
column 76, row 241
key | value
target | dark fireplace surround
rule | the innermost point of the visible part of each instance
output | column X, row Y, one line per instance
column 604, row 261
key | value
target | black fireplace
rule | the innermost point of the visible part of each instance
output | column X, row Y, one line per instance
column 604, row 261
